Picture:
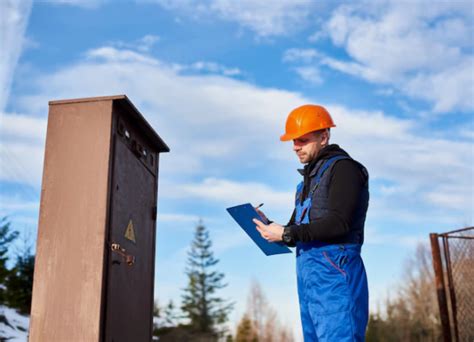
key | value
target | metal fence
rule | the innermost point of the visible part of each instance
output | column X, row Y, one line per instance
column 453, row 262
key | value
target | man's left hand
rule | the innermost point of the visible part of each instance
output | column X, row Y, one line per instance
column 270, row 232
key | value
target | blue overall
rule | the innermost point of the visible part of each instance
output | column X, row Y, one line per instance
column 332, row 283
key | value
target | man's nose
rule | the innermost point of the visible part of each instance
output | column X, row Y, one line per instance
column 296, row 147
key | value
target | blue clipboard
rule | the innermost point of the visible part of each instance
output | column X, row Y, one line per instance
column 244, row 214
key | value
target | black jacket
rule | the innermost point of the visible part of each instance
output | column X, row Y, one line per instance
column 348, row 185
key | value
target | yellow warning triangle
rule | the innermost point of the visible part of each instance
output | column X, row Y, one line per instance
column 130, row 232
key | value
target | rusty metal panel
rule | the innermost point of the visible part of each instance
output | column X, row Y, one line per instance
column 440, row 287
column 68, row 279
column 459, row 267
column 94, row 271
column 131, row 242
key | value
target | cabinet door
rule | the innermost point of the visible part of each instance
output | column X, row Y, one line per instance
column 131, row 249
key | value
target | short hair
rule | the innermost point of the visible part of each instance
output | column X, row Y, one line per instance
column 321, row 131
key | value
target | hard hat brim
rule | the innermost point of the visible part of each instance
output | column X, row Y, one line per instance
column 288, row 137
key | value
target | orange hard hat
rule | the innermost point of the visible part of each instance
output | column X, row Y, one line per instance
column 305, row 119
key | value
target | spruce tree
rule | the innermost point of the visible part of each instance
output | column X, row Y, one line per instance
column 166, row 320
column 6, row 237
column 170, row 315
column 200, row 302
column 20, row 283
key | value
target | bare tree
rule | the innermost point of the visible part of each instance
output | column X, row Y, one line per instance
column 412, row 314
column 246, row 330
column 264, row 319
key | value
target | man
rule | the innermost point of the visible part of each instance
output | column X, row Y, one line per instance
column 327, row 228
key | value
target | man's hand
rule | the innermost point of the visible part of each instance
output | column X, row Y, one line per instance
column 270, row 232
column 262, row 215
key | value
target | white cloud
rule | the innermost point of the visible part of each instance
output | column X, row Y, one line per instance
column 144, row 44
column 22, row 163
column 230, row 192
column 351, row 68
column 453, row 196
column 317, row 36
column 385, row 92
column 266, row 19
column 15, row 203
column 182, row 218
column 215, row 125
column 22, row 128
column 300, row 55
column 111, row 54
column 211, row 67
column 307, row 70
column 450, row 88
column 21, row 150
column 13, row 21
column 310, row 74
column 207, row 110
column 419, row 165
column 88, row 4
column 374, row 124
column 422, row 48
column 467, row 133
column 224, row 241
column 374, row 236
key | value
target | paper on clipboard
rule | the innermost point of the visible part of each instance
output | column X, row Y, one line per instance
column 244, row 214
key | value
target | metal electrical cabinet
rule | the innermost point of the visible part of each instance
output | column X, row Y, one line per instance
column 94, row 270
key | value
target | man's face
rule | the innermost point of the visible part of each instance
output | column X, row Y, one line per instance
column 308, row 146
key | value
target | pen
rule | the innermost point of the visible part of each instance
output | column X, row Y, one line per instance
column 259, row 206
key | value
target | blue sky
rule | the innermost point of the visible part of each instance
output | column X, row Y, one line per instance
column 217, row 78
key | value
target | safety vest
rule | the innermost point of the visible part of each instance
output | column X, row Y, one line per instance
column 316, row 204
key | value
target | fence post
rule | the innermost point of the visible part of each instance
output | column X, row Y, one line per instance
column 439, row 280
column 452, row 292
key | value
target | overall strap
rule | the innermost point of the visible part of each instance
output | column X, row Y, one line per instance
column 299, row 191
column 323, row 169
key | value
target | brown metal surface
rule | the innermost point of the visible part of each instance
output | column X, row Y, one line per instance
column 460, row 237
column 129, row 295
column 440, row 289
column 131, row 134
column 67, row 286
column 452, row 293
column 96, row 181
column 88, row 99
column 466, row 229
column 123, row 102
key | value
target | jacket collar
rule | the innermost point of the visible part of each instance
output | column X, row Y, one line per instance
column 312, row 167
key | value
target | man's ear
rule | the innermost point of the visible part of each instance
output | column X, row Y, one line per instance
column 325, row 135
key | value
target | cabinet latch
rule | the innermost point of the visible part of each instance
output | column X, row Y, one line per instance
column 129, row 259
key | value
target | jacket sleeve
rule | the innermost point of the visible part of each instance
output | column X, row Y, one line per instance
column 292, row 219
column 346, row 185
